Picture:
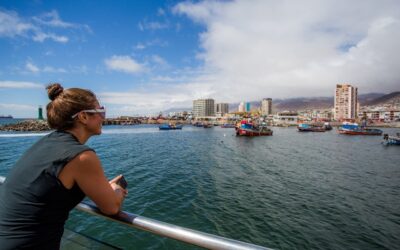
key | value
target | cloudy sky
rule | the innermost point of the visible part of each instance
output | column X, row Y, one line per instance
column 142, row 57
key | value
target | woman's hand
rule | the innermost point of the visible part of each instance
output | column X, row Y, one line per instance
column 117, row 188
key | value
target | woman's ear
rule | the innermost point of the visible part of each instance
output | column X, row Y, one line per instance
column 83, row 117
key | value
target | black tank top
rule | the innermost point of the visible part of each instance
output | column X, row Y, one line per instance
column 34, row 204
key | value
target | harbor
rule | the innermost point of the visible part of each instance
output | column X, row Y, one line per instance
column 290, row 190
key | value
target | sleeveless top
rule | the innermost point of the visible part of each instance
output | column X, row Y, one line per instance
column 34, row 204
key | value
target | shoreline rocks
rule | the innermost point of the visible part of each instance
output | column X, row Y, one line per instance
column 27, row 126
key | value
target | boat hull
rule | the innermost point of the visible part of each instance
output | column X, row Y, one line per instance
column 392, row 140
column 361, row 132
column 252, row 132
column 314, row 129
column 170, row 127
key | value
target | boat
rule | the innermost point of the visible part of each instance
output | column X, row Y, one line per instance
column 6, row 117
column 198, row 124
column 170, row 127
column 249, row 129
column 391, row 140
column 228, row 125
column 304, row 127
column 207, row 125
column 327, row 126
column 355, row 129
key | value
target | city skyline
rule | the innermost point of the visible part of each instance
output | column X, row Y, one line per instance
column 143, row 58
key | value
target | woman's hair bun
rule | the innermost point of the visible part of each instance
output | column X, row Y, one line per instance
column 54, row 90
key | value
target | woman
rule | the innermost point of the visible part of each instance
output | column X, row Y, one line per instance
column 55, row 174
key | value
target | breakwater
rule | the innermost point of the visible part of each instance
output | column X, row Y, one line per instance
column 27, row 125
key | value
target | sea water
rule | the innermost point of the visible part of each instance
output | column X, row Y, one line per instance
column 291, row 190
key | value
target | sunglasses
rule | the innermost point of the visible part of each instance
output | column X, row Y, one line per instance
column 101, row 111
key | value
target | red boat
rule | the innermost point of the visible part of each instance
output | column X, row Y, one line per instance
column 253, row 132
column 248, row 129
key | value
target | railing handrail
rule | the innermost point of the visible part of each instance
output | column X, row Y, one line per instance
column 190, row 236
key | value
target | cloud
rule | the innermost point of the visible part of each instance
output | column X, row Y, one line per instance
column 124, row 64
column 11, row 25
column 31, row 67
column 53, row 19
column 36, row 28
column 40, row 37
column 256, row 49
column 19, row 85
column 144, row 25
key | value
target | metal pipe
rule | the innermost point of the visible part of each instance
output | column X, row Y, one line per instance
column 190, row 236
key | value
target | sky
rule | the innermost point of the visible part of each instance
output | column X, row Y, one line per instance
column 143, row 57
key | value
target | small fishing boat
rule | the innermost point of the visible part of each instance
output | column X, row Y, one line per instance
column 170, row 127
column 391, row 140
column 207, row 125
column 327, row 126
column 304, row 127
column 228, row 125
column 198, row 124
column 355, row 129
column 248, row 129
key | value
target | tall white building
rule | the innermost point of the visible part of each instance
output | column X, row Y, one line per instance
column 266, row 106
column 203, row 107
column 346, row 102
column 221, row 108
column 241, row 107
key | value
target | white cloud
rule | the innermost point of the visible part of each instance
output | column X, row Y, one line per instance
column 19, row 85
column 50, row 69
column 53, row 19
column 124, row 64
column 31, row 67
column 11, row 25
column 255, row 49
column 36, row 28
column 144, row 25
column 40, row 37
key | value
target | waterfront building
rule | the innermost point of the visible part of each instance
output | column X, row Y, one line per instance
column 247, row 107
column 346, row 102
column 381, row 115
column 221, row 109
column 266, row 106
column 241, row 107
column 203, row 107
column 285, row 118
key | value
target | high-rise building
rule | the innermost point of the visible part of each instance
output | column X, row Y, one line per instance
column 247, row 107
column 346, row 102
column 241, row 107
column 203, row 107
column 221, row 108
column 266, row 106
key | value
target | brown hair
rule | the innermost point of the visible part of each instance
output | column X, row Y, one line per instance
column 65, row 103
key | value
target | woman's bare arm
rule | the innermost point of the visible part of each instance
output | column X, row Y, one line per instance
column 86, row 171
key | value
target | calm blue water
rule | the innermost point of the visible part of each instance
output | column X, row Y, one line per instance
column 289, row 191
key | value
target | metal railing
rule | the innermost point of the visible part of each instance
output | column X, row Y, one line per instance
column 190, row 236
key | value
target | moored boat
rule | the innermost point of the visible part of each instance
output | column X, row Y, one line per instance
column 355, row 129
column 304, row 127
column 248, row 129
column 391, row 140
column 170, row 127
column 228, row 125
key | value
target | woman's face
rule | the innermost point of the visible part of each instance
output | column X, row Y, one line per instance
column 96, row 120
